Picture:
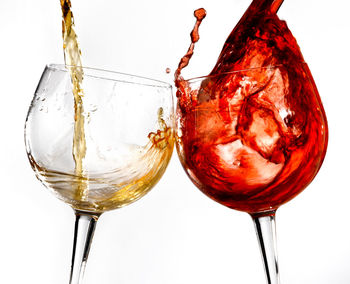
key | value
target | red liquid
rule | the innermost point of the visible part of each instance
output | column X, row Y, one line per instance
column 254, row 139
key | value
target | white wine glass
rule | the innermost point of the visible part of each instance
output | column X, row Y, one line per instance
column 128, row 135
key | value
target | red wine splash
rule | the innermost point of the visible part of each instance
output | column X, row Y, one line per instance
column 252, row 139
column 200, row 14
column 259, row 39
column 180, row 83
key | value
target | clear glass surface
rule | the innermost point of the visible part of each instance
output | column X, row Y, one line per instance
column 128, row 126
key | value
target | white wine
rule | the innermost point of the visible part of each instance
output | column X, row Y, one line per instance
column 72, row 58
column 120, row 186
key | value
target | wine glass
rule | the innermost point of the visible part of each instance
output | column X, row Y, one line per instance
column 252, row 140
column 126, row 128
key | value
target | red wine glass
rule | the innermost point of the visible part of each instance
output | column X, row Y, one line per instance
column 252, row 140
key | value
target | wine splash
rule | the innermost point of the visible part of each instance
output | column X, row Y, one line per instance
column 128, row 181
column 252, row 134
column 72, row 58
column 200, row 14
column 103, row 191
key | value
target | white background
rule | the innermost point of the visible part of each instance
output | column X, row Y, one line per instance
column 174, row 234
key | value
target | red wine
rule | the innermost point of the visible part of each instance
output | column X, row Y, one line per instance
column 252, row 139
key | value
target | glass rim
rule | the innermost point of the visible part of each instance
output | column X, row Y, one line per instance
column 148, row 81
column 199, row 78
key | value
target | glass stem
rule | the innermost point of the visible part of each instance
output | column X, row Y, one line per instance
column 266, row 232
column 85, row 224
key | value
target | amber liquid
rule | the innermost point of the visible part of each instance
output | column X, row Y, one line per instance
column 122, row 185
column 72, row 57
column 253, row 139
column 99, row 192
